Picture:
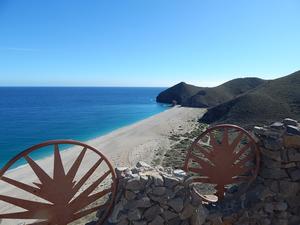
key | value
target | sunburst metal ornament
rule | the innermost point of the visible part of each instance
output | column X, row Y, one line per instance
column 223, row 155
column 65, row 199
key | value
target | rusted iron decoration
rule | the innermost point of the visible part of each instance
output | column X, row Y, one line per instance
column 65, row 195
column 223, row 155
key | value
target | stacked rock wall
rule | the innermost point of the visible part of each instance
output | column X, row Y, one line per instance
column 157, row 196
column 275, row 196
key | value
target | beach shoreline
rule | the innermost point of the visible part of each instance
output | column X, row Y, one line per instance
column 124, row 147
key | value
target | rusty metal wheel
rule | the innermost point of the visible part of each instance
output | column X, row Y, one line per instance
column 223, row 155
column 50, row 195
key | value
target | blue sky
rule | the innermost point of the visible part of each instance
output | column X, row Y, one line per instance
column 146, row 42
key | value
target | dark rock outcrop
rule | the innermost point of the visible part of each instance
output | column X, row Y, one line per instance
column 180, row 93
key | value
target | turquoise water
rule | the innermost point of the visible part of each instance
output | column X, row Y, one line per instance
column 30, row 115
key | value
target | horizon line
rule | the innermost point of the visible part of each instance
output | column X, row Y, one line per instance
column 28, row 86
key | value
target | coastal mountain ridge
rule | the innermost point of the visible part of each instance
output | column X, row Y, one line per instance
column 193, row 96
column 243, row 101
column 274, row 100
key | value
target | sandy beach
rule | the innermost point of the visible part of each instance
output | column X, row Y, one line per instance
column 126, row 146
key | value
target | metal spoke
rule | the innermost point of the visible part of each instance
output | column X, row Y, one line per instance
column 222, row 164
column 66, row 202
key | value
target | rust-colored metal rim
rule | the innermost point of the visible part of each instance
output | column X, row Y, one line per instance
column 227, row 126
column 107, row 208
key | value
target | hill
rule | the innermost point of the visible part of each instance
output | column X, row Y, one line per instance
column 193, row 96
column 180, row 93
column 271, row 101
column 208, row 97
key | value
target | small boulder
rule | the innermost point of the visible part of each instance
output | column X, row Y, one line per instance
column 288, row 121
column 176, row 204
column 153, row 211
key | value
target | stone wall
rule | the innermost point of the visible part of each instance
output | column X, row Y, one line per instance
column 157, row 196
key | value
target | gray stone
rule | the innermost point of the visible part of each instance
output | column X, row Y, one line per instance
column 134, row 184
column 144, row 179
column 158, row 179
column 178, row 188
column 159, row 199
column 275, row 155
column 269, row 207
column 187, row 212
column 185, row 222
column 142, row 222
column 288, row 165
column 280, row 206
column 179, row 173
column 273, row 173
column 283, row 214
column 134, row 215
column 280, row 222
column 277, row 126
column 143, row 202
column 158, row 220
column 170, row 193
column 174, row 221
column 270, row 163
column 294, row 220
column 288, row 121
column 273, row 143
column 114, row 218
column 292, row 141
column 169, row 215
column 293, row 130
column 265, row 221
column 176, row 204
column 289, row 189
column 142, row 164
column 261, row 193
column 159, row 191
column 274, row 186
column 294, row 155
column 153, row 211
column 295, row 174
column 259, row 130
column 120, row 171
column 284, row 157
column 273, row 133
column 170, row 182
column 293, row 201
column 129, row 195
column 199, row 216
column 123, row 222
column 135, row 170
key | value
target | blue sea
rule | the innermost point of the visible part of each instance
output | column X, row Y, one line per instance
column 30, row 115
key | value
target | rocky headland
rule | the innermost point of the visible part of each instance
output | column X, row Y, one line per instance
column 245, row 101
